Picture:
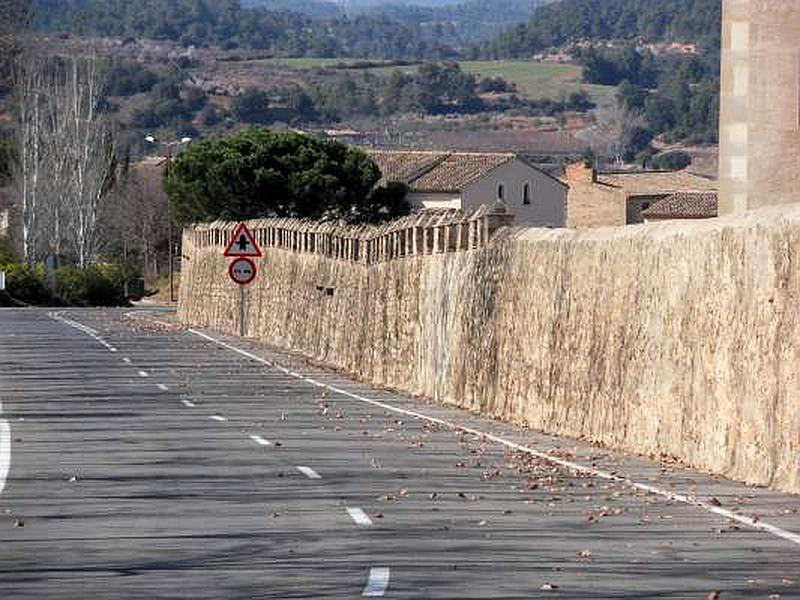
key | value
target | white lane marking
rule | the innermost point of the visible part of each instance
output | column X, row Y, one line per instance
column 359, row 516
column 76, row 325
column 377, row 582
column 575, row 467
column 144, row 374
column 189, row 403
column 309, row 472
column 219, row 418
column 162, row 387
column 126, row 360
column 260, row 440
column 5, row 452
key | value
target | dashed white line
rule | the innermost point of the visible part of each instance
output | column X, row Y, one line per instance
column 162, row 387
column 260, row 440
column 219, row 418
column 309, row 472
column 360, row 517
column 574, row 467
column 377, row 582
column 189, row 404
column 126, row 360
column 144, row 374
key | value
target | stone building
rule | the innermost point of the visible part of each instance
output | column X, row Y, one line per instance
column 598, row 199
column 468, row 180
column 759, row 104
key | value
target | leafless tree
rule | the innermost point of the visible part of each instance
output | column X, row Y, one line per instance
column 67, row 158
column 89, row 145
column 136, row 217
column 29, row 88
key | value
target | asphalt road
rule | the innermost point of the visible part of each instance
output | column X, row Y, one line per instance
column 148, row 461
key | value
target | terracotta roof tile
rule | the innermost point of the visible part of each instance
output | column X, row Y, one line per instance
column 402, row 165
column 436, row 171
column 656, row 182
column 458, row 170
column 684, row 205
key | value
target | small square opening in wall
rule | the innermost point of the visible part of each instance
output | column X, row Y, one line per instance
column 330, row 291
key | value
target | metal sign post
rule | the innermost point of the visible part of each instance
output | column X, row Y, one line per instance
column 242, row 311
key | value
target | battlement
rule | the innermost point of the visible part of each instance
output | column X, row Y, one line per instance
column 430, row 232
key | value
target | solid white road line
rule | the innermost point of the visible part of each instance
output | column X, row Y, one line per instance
column 5, row 452
column 188, row 403
column 144, row 374
column 219, row 418
column 575, row 467
column 377, row 582
column 309, row 472
column 260, row 440
column 360, row 517
column 162, row 387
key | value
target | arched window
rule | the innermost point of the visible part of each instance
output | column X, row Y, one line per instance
column 501, row 192
column 526, row 193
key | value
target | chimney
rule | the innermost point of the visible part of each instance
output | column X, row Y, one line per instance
column 579, row 172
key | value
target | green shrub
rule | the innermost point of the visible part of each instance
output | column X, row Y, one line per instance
column 101, row 285
column 25, row 283
column 671, row 161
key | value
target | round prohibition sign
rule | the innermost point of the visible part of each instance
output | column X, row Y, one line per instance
column 242, row 271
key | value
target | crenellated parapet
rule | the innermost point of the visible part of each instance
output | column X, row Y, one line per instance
column 428, row 232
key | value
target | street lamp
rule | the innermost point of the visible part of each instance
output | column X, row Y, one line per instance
column 151, row 139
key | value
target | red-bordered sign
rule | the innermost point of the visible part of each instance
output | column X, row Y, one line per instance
column 243, row 243
column 242, row 271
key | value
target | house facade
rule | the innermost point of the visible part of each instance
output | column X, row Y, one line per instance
column 598, row 199
column 469, row 180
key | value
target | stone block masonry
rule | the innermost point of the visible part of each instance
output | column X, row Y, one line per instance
column 677, row 338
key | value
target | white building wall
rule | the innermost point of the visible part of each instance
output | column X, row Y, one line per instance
column 431, row 200
column 548, row 196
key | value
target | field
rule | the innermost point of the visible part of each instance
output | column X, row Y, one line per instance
column 534, row 80
column 537, row 80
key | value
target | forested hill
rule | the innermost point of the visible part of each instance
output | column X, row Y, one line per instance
column 227, row 24
column 566, row 21
column 292, row 28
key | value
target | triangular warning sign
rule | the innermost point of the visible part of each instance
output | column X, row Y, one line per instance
column 243, row 243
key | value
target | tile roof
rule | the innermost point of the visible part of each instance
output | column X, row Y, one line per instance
column 641, row 183
column 458, row 170
column 437, row 171
column 405, row 166
column 684, row 205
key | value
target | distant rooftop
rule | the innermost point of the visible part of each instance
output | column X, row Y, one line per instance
column 684, row 205
column 437, row 172
column 643, row 183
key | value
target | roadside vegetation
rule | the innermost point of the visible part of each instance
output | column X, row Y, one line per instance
column 261, row 173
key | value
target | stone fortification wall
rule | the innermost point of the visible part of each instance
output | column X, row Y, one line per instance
column 674, row 338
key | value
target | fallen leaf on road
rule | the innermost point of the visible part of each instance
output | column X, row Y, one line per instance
column 19, row 523
column 715, row 595
column 548, row 587
column 585, row 554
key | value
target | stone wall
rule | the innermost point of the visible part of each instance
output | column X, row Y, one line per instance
column 673, row 338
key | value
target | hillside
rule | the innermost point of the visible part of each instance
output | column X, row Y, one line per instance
column 567, row 21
